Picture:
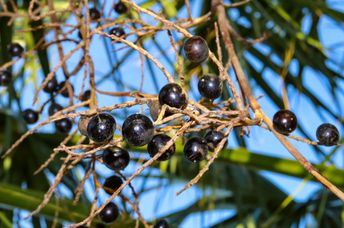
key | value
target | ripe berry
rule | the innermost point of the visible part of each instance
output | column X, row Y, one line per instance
column 195, row 149
column 210, row 87
column 5, row 77
column 173, row 95
column 137, row 130
column 101, row 127
column 109, row 214
column 111, row 184
column 30, row 116
column 116, row 158
column 196, row 49
column 63, row 87
column 284, row 122
column 51, row 86
column 94, row 14
column 327, row 135
column 54, row 108
column 117, row 31
column 120, row 8
column 15, row 49
column 63, row 125
column 162, row 223
column 157, row 142
column 213, row 139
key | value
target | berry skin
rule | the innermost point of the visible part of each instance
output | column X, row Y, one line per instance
column 109, row 214
column 327, row 135
column 5, row 78
column 86, row 95
column 30, row 116
column 196, row 49
column 210, row 87
column 101, row 127
column 162, row 223
column 196, row 149
column 51, row 86
column 173, row 95
column 94, row 14
column 15, row 49
column 213, row 139
column 284, row 122
column 54, row 108
column 63, row 87
column 63, row 125
column 137, row 130
column 116, row 158
column 157, row 142
column 111, row 184
column 117, row 31
column 120, row 8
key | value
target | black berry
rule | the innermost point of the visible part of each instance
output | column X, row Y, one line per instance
column 109, row 214
column 5, row 77
column 173, row 95
column 54, row 108
column 63, row 125
column 210, row 87
column 94, row 14
column 63, row 87
column 196, row 49
column 137, row 130
column 101, row 127
column 117, row 31
column 195, row 149
column 162, row 223
column 116, row 158
column 284, row 122
column 157, row 142
column 111, row 184
column 120, row 8
column 30, row 116
column 213, row 139
column 327, row 135
column 86, row 95
column 15, row 49
column 51, row 86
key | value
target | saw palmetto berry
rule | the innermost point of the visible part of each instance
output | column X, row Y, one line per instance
column 54, row 108
column 210, row 86
column 94, row 14
column 64, row 125
column 51, row 86
column 284, row 122
column 5, row 77
column 327, row 135
column 162, row 223
column 117, row 31
column 109, row 213
column 213, row 139
column 111, row 184
column 15, row 49
column 30, row 116
column 158, row 142
column 101, row 128
column 116, row 158
column 137, row 130
column 120, row 8
column 173, row 95
column 196, row 49
column 66, row 89
column 196, row 149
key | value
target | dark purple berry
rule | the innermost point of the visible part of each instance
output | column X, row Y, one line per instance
column 51, row 86
column 5, row 78
column 162, row 223
column 137, row 130
column 120, row 8
column 284, row 122
column 109, row 214
column 111, row 184
column 101, row 127
column 54, row 108
column 116, row 158
column 196, row 49
column 196, row 149
column 30, row 116
column 63, row 125
column 173, row 95
column 158, row 142
column 327, row 135
column 86, row 95
column 117, row 31
column 15, row 49
column 210, row 87
column 63, row 87
column 213, row 139
column 94, row 14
